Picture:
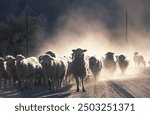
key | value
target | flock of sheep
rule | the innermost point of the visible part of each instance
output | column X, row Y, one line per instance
column 51, row 71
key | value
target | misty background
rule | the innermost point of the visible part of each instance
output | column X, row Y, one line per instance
column 61, row 25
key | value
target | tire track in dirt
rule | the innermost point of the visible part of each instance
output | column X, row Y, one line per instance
column 99, row 89
column 120, row 90
column 136, row 87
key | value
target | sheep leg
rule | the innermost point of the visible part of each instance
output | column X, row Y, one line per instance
column 19, row 83
column 23, row 84
column 39, row 81
column 77, row 82
column 5, row 83
column 96, row 77
column 83, row 89
column 46, row 80
column 60, row 82
column 53, row 85
column 31, row 83
column 57, row 84
column 9, row 82
column 50, row 85
column 69, row 79
column 14, row 82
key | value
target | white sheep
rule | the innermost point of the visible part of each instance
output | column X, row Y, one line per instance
column 54, row 70
column 28, row 70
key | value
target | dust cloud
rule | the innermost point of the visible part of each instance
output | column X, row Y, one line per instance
column 80, row 28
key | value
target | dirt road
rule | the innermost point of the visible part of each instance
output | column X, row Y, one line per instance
column 130, row 87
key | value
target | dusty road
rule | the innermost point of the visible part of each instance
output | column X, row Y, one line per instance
column 131, row 86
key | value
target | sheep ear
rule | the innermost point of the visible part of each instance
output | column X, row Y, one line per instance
column 84, row 50
column 73, row 50
column 40, row 57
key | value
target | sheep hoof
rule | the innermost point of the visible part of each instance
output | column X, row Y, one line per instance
column 77, row 90
column 83, row 90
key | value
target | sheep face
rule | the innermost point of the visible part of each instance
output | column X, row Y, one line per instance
column 46, row 59
column 110, row 55
column 19, row 57
column 10, row 60
column 122, row 58
column 78, row 53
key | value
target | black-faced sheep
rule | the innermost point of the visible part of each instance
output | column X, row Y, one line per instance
column 95, row 66
column 3, row 74
column 109, row 62
column 11, row 68
column 122, row 63
column 78, row 67
column 139, row 60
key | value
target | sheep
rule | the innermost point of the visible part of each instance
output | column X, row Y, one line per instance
column 78, row 68
column 68, row 77
column 37, row 69
column 48, row 68
column 139, row 60
column 19, row 57
column 95, row 66
column 135, row 57
column 61, row 69
column 28, row 70
column 3, row 74
column 122, row 63
column 109, row 62
column 52, row 54
column 11, row 68
column 54, row 70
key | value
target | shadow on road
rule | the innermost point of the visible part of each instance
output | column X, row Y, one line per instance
column 36, row 93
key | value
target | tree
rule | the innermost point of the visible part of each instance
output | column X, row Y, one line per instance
column 13, row 34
